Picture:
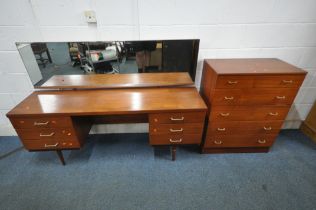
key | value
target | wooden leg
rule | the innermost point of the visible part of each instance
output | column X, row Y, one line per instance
column 173, row 152
column 61, row 157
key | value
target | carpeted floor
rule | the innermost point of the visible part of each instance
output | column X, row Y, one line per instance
column 122, row 171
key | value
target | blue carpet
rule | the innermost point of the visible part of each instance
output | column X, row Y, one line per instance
column 121, row 171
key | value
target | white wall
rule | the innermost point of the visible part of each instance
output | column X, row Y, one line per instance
column 285, row 29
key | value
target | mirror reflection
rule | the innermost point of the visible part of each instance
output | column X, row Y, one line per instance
column 44, row 60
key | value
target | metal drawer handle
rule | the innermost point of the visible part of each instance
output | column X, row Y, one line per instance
column 280, row 97
column 287, row 81
column 47, row 135
column 175, row 141
column 228, row 98
column 232, row 82
column 225, row 114
column 221, row 129
column 263, row 141
column 218, row 142
column 51, row 145
column 273, row 114
column 175, row 130
column 176, row 119
column 41, row 123
column 267, row 128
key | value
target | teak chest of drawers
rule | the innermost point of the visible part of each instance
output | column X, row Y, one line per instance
column 248, row 100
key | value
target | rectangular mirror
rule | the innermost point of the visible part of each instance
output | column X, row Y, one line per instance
column 44, row 60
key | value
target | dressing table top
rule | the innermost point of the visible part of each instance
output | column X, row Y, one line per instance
column 110, row 101
column 101, row 81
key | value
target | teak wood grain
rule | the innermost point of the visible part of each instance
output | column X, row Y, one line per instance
column 245, row 113
column 266, row 96
column 309, row 125
column 249, row 127
column 47, row 133
column 97, row 81
column 185, row 128
column 247, row 96
column 107, row 102
column 59, row 120
column 252, row 66
column 178, row 117
column 41, row 122
column 262, row 81
column 167, row 139
column 253, row 140
column 36, row 145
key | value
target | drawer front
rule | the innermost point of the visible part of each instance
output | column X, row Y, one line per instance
column 168, row 139
column 49, row 144
column 246, row 113
column 279, row 81
column 249, row 127
column 188, row 117
column 240, row 141
column 229, row 82
column 282, row 96
column 192, row 128
column 41, row 122
column 226, row 97
column 64, row 134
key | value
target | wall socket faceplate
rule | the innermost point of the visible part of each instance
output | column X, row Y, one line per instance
column 90, row 16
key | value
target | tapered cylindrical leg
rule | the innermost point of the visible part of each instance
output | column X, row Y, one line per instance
column 61, row 157
column 173, row 152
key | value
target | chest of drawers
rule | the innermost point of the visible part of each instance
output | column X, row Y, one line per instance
column 248, row 100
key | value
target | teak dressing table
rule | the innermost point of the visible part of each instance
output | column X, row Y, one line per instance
column 61, row 119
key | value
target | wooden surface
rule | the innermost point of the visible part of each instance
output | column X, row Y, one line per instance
column 97, row 81
column 59, row 120
column 248, row 99
column 252, row 66
column 243, row 140
column 244, row 113
column 167, row 139
column 176, row 128
column 249, row 127
column 309, row 125
column 107, row 102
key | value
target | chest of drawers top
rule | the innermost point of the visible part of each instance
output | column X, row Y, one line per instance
column 252, row 66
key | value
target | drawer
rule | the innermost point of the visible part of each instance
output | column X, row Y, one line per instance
column 41, row 122
column 228, row 82
column 282, row 96
column 65, row 134
column 168, row 139
column 192, row 128
column 186, row 117
column 248, row 113
column 226, row 97
column 49, row 144
column 240, row 141
column 279, row 81
column 249, row 127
